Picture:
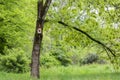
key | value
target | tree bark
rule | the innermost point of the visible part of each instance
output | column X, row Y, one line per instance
column 36, row 53
column 42, row 11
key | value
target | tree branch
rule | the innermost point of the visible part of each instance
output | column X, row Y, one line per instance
column 45, row 8
column 90, row 37
column 40, row 7
column 86, row 34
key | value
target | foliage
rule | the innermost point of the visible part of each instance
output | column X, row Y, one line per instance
column 48, row 61
column 14, row 24
column 92, row 58
column 15, row 61
column 100, row 19
column 16, row 33
column 61, row 56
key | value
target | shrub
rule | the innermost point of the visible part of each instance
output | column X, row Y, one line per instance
column 101, row 61
column 15, row 61
column 90, row 58
column 48, row 61
column 64, row 58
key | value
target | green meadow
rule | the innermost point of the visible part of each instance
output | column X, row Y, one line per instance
column 87, row 72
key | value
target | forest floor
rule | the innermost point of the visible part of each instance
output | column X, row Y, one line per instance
column 88, row 72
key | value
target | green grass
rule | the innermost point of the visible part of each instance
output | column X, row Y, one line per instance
column 91, row 72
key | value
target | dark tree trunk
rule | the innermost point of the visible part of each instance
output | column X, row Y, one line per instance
column 42, row 10
column 36, row 53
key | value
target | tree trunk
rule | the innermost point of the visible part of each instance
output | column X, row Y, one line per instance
column 42, row 11
column 36, row 52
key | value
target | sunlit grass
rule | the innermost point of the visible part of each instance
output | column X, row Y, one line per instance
column 91, row 72
column 88, row 72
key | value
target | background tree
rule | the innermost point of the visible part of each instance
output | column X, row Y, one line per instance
column 94, row 17
column 16, row 31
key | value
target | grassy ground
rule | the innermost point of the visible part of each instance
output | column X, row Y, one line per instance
column 91, row 72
